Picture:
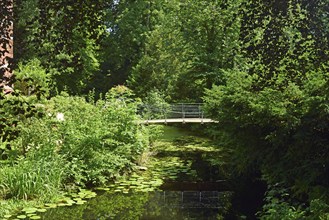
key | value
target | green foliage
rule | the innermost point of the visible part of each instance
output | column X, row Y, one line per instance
column 282, row 37
column 269, row 60
column 98, row 141
column 32, row 79
column 187, row 50
column 273, row 111
column 128, row 24
column 278, row 207
column 64, row 36
column 29, row 178
column 276, row 125
column 319, row 209
column 154, row 105
column 31, row 86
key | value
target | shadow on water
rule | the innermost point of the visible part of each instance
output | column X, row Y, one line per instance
column 197, row 191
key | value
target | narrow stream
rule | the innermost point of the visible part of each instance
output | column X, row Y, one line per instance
column 184, row 179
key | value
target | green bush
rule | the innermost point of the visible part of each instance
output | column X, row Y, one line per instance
column 155, row 105
column 31, row 86
column 31, row 79
column 280, row 129
column 278, row 206
column 97, row 140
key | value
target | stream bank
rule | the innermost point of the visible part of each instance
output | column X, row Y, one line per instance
column 185, row 178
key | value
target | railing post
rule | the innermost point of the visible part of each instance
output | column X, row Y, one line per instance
column 183, row 110
column 148, row 112
column 164, row 111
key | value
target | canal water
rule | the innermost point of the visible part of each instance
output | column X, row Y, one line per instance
column 183, row 177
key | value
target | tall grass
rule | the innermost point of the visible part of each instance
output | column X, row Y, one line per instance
column 30, row 179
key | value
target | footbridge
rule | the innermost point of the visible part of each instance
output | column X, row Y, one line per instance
column 174, row 113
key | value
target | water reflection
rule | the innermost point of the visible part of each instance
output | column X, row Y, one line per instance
column 186, row 205
column 160, row 205
column 193, row 188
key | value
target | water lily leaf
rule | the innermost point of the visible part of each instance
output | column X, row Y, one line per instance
column 51, row 205
column 91, row 196
column 81, row 202
column 70, row 201
column 21, row 216
column 41, row 210
column 29, row 210
column 35, row 217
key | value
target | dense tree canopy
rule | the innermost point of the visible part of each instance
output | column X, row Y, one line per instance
column 187, row 50
column 64, row 36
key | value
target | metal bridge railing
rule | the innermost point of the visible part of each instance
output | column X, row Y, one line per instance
column 169, row 111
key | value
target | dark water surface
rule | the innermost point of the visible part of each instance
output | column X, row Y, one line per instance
column 162, row 205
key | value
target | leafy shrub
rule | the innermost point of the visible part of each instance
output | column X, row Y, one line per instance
column 278, row 205
column 319, row 209
column 280, row 129
column 98, row 140
column 154, row 105
column 32, row 79
column 31, row 84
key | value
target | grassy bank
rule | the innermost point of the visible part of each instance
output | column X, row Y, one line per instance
column 69, row 144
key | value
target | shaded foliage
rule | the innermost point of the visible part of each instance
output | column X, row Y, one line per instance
column 64, row 36
column 187, row 50
column 274, row 112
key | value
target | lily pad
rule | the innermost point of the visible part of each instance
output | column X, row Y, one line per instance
column 29, row 210
column 81, row 202
column 51, row 205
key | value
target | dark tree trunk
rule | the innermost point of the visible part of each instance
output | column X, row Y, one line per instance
column 6, row 45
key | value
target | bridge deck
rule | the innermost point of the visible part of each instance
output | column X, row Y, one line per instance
column 178, row 120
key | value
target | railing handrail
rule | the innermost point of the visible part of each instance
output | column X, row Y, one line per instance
column 175, row 110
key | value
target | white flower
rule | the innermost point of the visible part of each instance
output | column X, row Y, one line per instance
column 60, row 116
column 59, row 142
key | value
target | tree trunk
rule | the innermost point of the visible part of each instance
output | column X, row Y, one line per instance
column 6, row 45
